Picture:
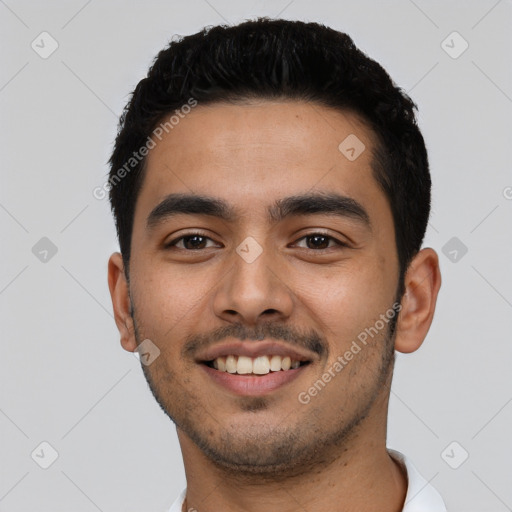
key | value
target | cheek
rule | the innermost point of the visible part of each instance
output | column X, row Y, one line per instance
column 166, row 302
column 348, row 300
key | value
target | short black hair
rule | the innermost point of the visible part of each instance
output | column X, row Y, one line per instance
column 278, row 59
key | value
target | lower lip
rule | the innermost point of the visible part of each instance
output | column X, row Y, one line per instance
column 249, row 385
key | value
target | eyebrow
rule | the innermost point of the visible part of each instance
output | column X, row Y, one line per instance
column 297, row 205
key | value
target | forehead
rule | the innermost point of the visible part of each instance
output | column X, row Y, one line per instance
column 254, row 153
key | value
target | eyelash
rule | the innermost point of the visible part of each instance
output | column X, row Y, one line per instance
column 202, row 235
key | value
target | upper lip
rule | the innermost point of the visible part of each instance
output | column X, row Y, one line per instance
column 254, row 349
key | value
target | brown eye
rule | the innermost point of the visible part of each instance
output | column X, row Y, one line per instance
column 319, row 241
column 194, row 241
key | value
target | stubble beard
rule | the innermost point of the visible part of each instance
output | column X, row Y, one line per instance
column 269, row 452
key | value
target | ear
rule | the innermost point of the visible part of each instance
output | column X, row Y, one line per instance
column 422, row 283
column 119, row 292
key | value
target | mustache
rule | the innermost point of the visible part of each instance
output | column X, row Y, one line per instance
column 307, row 339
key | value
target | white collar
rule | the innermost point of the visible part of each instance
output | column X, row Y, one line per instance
column 421, row 496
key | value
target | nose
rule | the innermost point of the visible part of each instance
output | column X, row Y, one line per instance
column 253, row 291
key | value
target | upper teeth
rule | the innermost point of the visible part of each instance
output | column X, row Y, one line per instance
column 257, row 365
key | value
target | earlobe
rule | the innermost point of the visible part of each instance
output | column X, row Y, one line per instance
column 119, row 293
column 422, row 283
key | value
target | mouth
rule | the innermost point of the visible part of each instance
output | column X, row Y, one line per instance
column 259, row 375
column 254, row 366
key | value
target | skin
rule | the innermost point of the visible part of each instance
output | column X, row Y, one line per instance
column 273, row 452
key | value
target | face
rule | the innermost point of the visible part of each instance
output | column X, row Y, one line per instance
column 290, row 258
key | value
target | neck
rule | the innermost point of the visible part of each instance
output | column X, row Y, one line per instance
column 360, row 475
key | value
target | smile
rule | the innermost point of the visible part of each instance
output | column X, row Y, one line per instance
column 261, row 365
column 253, row 368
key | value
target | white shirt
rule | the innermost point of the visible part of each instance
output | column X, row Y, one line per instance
column 420, row 497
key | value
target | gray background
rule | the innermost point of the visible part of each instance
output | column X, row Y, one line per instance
column 65, row 378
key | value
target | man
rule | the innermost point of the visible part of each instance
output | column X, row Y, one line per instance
column 271, row 193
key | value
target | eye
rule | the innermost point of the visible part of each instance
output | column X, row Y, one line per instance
column 198, row 241
column 192, row 241
column 320, row 241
